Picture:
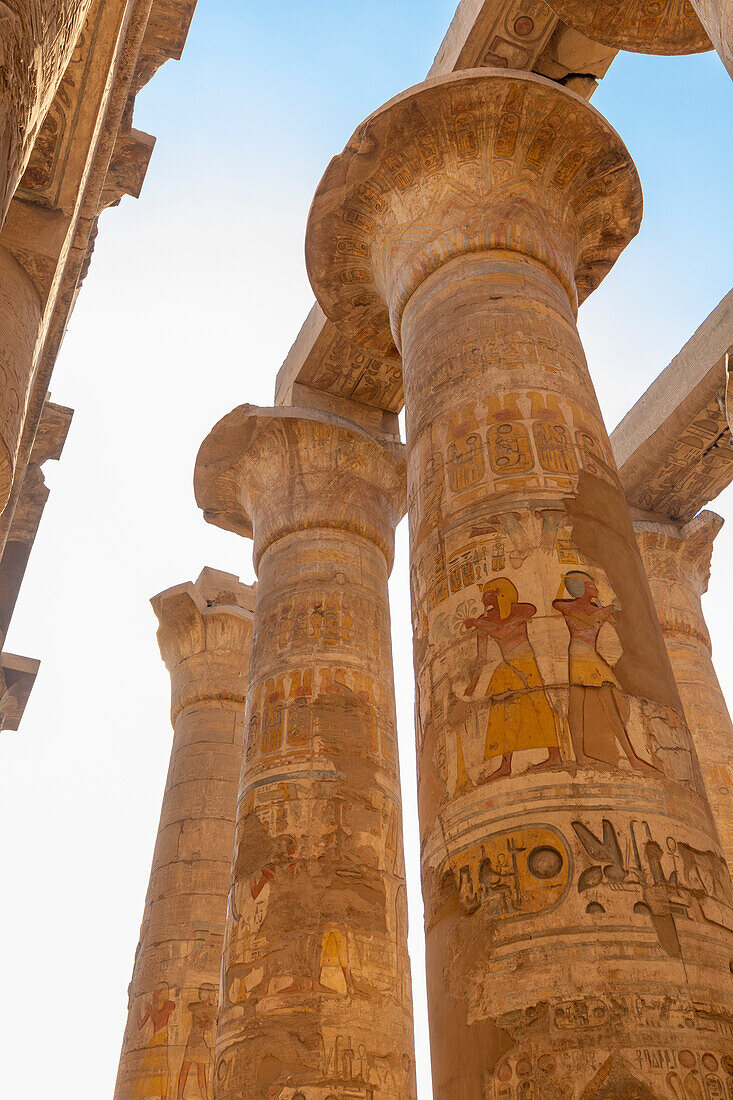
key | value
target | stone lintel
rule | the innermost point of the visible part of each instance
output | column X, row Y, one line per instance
column 673, row 448
column 17, row 677
column 493, row 33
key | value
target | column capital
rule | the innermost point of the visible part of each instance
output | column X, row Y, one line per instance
column 264, row 473
column 204, row 637
column 478, row 161
column 664, row 27
column 677, row 559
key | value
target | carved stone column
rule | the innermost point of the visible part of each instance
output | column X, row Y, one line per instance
column 578, row 910
column 204, row 636
column 654, row 26
column 316, row 997
column 36, row 41
column 677, row 559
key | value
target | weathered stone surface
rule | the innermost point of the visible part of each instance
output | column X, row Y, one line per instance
column 673, row 448
column 85, row 155
column 36, row 41
column 49, row 443
column 645, row 26
column 516, row 34
column 204, row 636
column 716, row 17
column 316, row 998
column 677, row 559
column 20, row 316
column 579, row 912
column 17, row 677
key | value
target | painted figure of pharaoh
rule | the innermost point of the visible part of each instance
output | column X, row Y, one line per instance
column 520, row 715
column 198, row 1052
column 154, row 1076
column 598, row 711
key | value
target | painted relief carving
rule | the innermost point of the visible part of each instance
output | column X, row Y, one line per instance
column 529, row 441
column 351, row 372
column 199, row 1047
column 520, row 715
column 514, row 874
column 502, row 708
column 597, row 712
column 153, row 1077
column 647, row 26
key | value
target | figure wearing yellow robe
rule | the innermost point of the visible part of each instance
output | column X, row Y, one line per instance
column 520, row 715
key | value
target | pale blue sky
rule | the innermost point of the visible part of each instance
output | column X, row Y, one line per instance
column 194, row 296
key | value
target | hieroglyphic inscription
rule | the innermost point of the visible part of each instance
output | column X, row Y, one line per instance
column 648, row 26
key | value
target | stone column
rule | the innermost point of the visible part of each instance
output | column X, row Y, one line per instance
column 677, row 559
column 37, row 38
column 204, row 636
column 578, row 910
column 316, row 995
column 654, row 26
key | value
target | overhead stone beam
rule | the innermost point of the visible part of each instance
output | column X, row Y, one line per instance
column 674, row 447
column 512, row 34
column 85, row 157
column 17, row 677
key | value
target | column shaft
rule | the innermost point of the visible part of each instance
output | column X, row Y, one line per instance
column 677, row 560
column 538, row 654
column 168, row 1046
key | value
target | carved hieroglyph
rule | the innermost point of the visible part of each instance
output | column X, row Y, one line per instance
column 579, row 913
column 644, row 26
column 316, row 995
column 204, row 636
column 677, row 559
column 36, row 41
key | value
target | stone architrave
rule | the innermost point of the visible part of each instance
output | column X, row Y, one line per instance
column 316, row 992
column 20, row 319
column 677, row 558
column 204, row 636
column 579, row 913
column 36, row 41
column 654, row 26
